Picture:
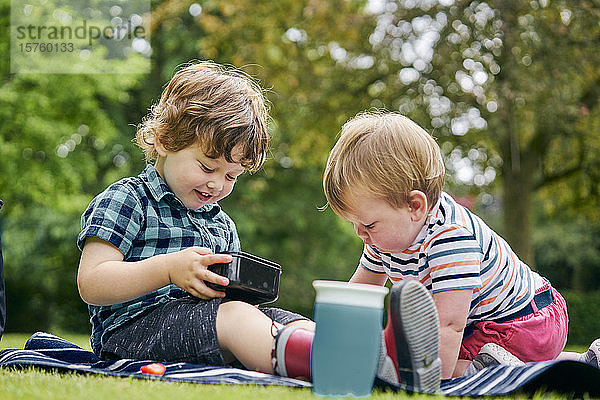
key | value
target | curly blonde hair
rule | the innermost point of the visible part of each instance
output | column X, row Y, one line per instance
column 386, row 154
column 213, row 106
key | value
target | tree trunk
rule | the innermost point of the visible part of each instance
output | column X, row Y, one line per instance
column 518, row 192
column 518, row 184
column 517, row 168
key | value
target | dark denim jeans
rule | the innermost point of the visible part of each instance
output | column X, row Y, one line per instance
column 2, row 291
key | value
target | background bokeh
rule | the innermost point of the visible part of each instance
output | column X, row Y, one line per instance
column 510, row 90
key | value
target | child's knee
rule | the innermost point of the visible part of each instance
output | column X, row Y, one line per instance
column 232, row 306
column 304, row 324
column 237, row 311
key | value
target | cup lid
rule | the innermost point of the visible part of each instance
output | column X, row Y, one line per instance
column 351, row 294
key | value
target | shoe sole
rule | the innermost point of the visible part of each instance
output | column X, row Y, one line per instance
column 498, row 354
column 595, row 348
column 416, row 332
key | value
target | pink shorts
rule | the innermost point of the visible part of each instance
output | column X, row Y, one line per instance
column 538, row 336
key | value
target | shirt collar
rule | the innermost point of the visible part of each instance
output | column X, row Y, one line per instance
column 434, row 215
column 160, row 191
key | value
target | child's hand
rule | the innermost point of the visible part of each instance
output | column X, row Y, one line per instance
column 188, row 269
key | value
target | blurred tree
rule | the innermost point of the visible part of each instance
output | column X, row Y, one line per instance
column 54, row 161
column 313, row 58
column 510, row 88
column 554, row 243
column 61, row 144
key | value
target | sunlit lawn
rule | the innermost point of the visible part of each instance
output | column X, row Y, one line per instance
column 35, row 384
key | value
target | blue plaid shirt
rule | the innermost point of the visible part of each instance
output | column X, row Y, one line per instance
column 142, row 218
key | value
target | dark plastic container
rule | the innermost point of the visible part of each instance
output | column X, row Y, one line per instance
column 252, row 279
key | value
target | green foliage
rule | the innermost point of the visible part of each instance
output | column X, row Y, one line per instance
column 517, row 81
column 567, row 253
column 60, row 144
column 64, row 138
column 584, row 315
column 286, row 46
column 308, row 243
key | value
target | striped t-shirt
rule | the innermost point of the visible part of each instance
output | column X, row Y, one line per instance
column 457, row 250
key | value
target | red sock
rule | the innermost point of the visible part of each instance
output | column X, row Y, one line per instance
column 390, row 342
column 293, row 353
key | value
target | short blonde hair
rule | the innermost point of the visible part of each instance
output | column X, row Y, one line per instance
column 388, row 155
column 213, row 106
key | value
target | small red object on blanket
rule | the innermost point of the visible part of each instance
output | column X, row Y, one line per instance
column 154, row 369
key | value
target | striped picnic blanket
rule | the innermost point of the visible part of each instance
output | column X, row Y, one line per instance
column 48, row 351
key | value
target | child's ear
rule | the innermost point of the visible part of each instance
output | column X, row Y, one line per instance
column 160, row 149
column 418, row 205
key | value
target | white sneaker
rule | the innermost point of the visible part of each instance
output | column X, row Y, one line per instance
column 592, row 356
column 493, row 354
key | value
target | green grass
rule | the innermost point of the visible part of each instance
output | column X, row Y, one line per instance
column 17, row 340
column 46, row 385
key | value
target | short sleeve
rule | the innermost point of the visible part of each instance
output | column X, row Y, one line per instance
column 234, row 240
column 371, row 260
column 115, row 216
column 454, row 259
